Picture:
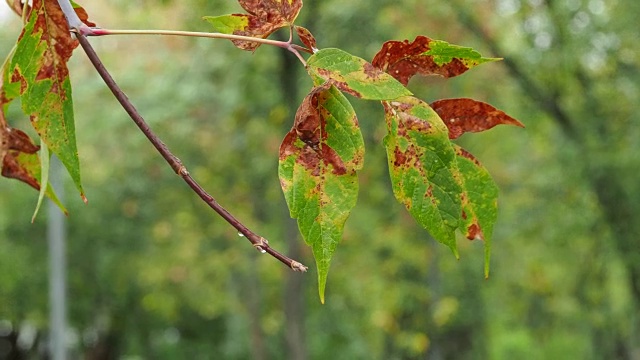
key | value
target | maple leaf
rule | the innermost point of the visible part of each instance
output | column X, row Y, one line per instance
column 468, row 115
column 319, row 158
column 37, row 73
column 426, row 56
column 263, row 18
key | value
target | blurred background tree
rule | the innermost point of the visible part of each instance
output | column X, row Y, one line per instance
column 153, row 274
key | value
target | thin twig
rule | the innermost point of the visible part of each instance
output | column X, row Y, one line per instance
column 288, row 45
column 258, row 242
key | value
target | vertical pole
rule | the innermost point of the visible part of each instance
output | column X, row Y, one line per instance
column 56, row 234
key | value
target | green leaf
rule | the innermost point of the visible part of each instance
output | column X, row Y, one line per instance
column 444, row 53
column 423, row 168
column 354, row 75
column 228, row 24
column 39, row 67
column 319, row 158
column 479, row 201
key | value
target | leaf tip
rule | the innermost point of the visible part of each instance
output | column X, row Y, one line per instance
column 84, row 198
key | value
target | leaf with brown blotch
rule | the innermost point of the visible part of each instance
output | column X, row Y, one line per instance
column 426, row 56
column 37, row 73
column 319, row 159
column 17, row 6
column 19, row 159
column 263, row 18
column 479, row 201
column 307, row 38
column 468, row 115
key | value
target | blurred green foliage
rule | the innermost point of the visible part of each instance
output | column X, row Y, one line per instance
column 154, row 274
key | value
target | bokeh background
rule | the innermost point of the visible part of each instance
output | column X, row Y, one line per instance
column 154, row 274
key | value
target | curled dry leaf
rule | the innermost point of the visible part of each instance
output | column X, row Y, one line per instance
column 263, row 18
column 307, row 38
column 468, row 115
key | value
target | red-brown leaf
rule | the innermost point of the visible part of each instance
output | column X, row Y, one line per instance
column 307, row 38
column 265, row 17
column 468, row 115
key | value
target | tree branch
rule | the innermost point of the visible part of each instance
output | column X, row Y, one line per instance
column 260, row 243
column 287, row 45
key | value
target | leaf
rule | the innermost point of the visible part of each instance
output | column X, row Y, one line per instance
column 307, row 38
column 44, row 179
column 263, row 18
column 354, row 75
column 17, row 7
column 19, row 159
column 38, row 74
column 479, row 201
column 425, row 56
column 468, row 115
column 422, row 165
column 319, row 158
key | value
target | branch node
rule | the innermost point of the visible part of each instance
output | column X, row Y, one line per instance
column 261, row 245
column 182, row 171
column 296, row 266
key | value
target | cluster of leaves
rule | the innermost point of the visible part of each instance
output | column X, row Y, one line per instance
column 36, row 73
column 444, row 187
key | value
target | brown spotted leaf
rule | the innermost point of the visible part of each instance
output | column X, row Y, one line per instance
column 307, row 38
column 353, row 75
column 468, row 115
column 37, row 73
column 19, row 159
column 423, row 167
column 479, row 201
column 263, row 18
column 319, row 158
column 425, row 56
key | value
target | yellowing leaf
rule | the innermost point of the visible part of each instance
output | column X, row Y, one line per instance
column 354, row 75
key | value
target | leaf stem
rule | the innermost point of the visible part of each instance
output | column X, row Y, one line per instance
column 260, row 243
column 212, row 35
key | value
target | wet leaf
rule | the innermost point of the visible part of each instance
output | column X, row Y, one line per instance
column 319, row 158
column 423, row 168
column 38, row 74
column 468, row 115
column 354, row 75
column 307, row 38
column 426, row 56
column 479, row 201
column 263, row 18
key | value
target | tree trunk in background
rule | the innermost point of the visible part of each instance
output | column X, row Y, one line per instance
column 293, row 294
column 617, row 201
